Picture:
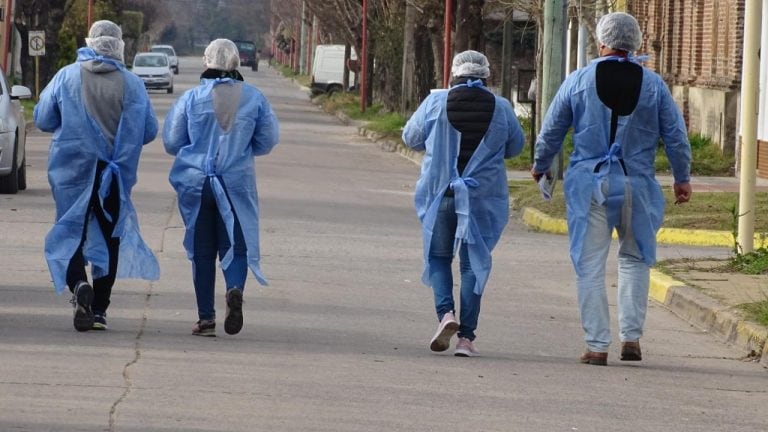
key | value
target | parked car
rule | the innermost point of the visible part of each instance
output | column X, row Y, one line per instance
column 155, row 70
column 249, row 55
column 13, row 137
column 171, row 53
column 328, row 69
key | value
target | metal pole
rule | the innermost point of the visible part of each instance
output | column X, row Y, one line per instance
column 37, row 77
column 90, row 14
column 749, row 99
column 447, row 53
column 364, row 61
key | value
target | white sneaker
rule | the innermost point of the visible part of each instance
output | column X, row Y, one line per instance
column 448, row 327
column 466, row 348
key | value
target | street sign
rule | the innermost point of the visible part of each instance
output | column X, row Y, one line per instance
column 36, row 43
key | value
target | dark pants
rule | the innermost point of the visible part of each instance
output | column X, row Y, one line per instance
column 102, row 287
column 211, row 238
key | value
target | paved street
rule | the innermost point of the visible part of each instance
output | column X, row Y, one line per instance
column 338, row 341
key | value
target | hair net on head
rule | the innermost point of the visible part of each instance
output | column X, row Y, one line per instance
column 222, row 54
column 471, row 63
column 619, row 31
column 106, row 38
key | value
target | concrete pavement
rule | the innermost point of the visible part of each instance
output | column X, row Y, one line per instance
column 338, row 342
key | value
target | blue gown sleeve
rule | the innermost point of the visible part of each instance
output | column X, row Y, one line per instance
column 175, row 133
column 150, row 123
column 556, row 124
column 675, row 135
column 515, row 139
column 267, row 132
column 47, row 115
column 413, row 133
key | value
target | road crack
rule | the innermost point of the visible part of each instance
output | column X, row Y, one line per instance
column 137, row 348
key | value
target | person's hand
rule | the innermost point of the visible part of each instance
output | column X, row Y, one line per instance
column 683, row 192
column 537, row 175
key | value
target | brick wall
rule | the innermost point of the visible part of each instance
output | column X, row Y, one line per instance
column 696, row 46
column 693, row 41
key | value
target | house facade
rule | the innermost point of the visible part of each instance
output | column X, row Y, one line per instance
column 696, row 46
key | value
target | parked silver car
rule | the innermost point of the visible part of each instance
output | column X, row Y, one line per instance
column 155, row 70
column 171, row 53
column 13, row 137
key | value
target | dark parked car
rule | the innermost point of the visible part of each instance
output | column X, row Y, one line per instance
column 249, row 56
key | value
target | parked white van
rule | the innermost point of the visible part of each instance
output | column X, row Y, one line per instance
column 328, row 69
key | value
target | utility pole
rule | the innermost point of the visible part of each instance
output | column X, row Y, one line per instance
column 506, row 60
column 363, row 57
column 448, row 46
column 750, row 79
column 553, row 52
column 407, row 99
column 303, row 42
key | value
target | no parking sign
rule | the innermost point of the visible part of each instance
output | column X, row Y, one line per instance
column 36, row 43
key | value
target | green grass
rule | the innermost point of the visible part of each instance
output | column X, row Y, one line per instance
column 707, row 158
column 757, row 312
column 287, row 72
column 29, row 107
column 752, row 263
column 706, row 210
column 377, row 118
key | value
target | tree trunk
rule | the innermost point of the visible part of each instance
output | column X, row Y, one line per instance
column 40, row 15
column 463, row 20
column 409, row 98
column 436, row 36
column 476, row 31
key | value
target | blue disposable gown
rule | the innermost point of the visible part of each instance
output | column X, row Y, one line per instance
column 481, row 193
column 637, row 138
column 78, row 143
column 203, row 149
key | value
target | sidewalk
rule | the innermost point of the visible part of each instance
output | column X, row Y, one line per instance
column 711, row 305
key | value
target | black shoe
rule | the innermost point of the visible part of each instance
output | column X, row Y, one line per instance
column 99, row 322
column 205, row 328
column 82, row 300
column 233, row 323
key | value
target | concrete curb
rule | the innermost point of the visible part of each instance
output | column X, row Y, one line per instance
column 686, row 302
column 709, row 315
column 390, row 145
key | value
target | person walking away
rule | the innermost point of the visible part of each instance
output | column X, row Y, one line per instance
column 214, row 130
column 101, row 117
column 618, row 110
column 462, row 198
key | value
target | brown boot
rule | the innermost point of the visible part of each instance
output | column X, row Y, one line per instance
column 630, row 351
column 594, row 358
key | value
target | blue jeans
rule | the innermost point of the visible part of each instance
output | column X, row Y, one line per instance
column 441, row 276
column 634, row 279
column 211, row 238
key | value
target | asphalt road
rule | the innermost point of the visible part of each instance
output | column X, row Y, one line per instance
column 338, row 341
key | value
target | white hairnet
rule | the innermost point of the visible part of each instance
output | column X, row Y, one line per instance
column 471, row 63
column 222, row 54
column 619, row 31
column 106, row 38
